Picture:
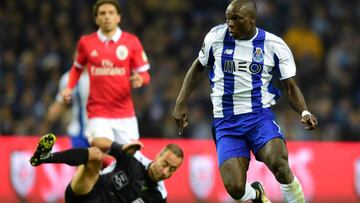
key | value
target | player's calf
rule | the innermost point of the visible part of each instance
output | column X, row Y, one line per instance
column 43, row 154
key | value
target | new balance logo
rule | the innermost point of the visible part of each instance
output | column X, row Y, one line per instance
column 94, row 53
column 228, row 51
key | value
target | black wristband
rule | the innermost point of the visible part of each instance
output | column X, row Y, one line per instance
column 116, row 146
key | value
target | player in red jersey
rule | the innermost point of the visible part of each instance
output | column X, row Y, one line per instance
column 116, row 62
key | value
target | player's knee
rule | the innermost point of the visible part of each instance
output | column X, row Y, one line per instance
column 95, row 155
column 280, row 168
column 94, row 141
column 235, row 189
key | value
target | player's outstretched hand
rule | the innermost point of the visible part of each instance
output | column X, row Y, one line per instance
column 132, row 147
column 310, row 121
column 66, row 95
column 136, row 80
column 180, row 115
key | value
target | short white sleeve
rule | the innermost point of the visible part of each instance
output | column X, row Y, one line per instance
column 287, row 67
column 204, row 53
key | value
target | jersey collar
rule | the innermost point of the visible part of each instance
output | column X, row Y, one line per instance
column 113, row 38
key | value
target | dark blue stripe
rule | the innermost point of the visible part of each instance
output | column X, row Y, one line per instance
column 227, row 98
column 211, row 64
column 258, row 42
column 276, row 65
column 275, row 72
column 80, row 117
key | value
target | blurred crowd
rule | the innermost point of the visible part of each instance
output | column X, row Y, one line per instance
column 38, row 39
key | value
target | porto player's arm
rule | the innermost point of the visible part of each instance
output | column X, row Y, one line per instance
column 286, row 64
column 191, row 81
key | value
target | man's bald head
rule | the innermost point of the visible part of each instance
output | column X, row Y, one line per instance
column 248, row 6
column 240, row 18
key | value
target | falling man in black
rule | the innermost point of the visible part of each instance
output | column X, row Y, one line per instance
column 131, row 178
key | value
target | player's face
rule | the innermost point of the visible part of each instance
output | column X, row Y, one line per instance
column 107, row 17
column 165, row 165
column 239, row 21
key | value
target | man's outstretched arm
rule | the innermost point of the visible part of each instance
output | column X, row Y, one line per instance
column 191, row 81
column 115, row 149
column 297, row 102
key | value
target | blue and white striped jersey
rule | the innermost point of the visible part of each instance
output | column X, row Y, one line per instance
column 241, row 71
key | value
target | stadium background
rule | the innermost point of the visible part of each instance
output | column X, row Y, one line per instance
column 38, row 38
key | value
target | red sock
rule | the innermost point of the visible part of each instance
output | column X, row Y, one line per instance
column 107, row 160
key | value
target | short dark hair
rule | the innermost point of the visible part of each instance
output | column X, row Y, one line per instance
column 174, row 148
column 98, row 3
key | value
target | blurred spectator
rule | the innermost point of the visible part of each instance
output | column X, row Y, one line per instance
column 38, row 41
column 304, row 43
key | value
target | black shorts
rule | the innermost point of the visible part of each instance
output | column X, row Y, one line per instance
column 91, row 197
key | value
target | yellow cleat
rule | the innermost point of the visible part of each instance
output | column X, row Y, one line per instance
column 43, row 150
column 260, row 193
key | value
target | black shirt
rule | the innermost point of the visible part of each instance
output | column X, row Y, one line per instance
column 126, row 180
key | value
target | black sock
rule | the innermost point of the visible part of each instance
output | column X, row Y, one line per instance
column 72, row 157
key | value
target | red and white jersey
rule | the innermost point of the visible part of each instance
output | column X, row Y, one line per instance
column 110, row 62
